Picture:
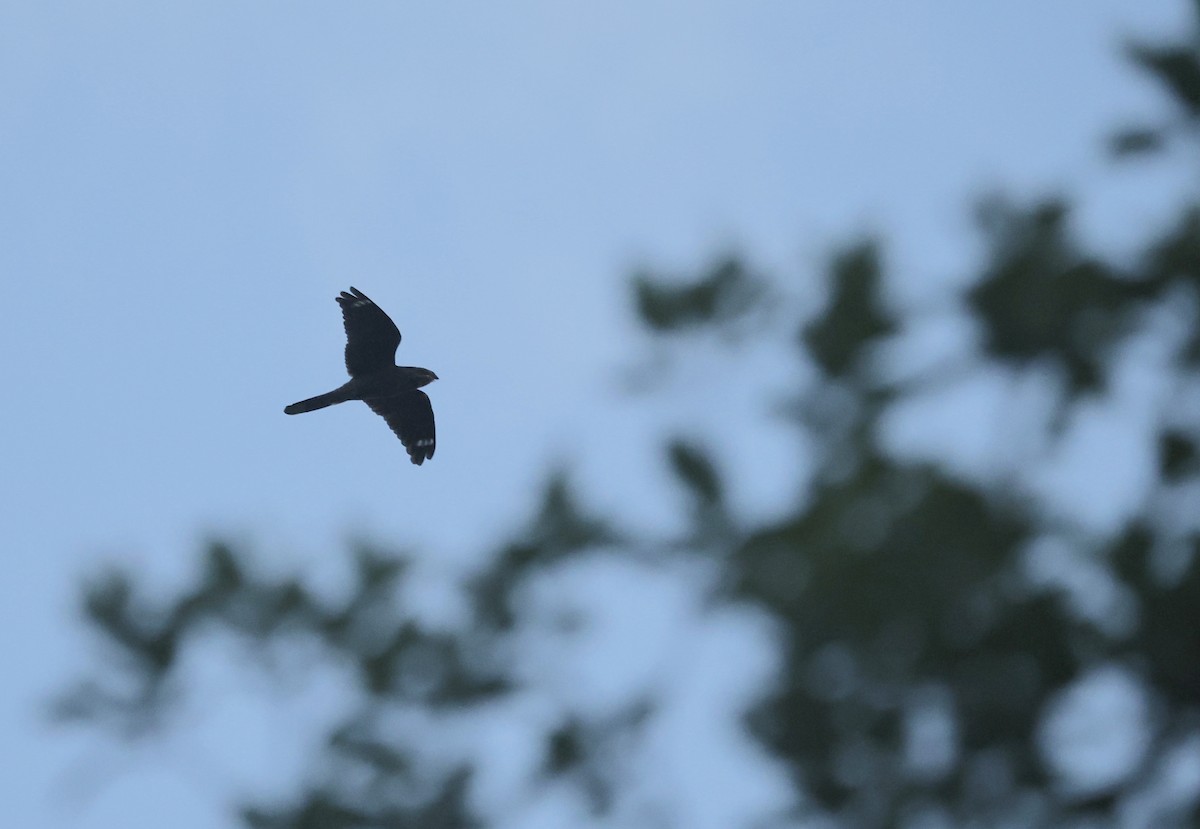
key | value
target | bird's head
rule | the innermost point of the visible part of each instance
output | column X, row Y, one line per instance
column 423, row 376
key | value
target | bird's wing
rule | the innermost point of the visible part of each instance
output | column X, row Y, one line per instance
column 371, row 336
column 411, row 417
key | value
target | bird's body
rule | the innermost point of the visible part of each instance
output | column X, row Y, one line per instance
column 391, row 391
column 394, row 382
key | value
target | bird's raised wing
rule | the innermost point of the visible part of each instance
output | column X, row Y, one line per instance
column 411, row 417
column 371, row 336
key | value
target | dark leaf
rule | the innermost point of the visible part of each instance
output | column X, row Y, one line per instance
column 695, row 471
column 723, row 294
column 1042, row 299
column 856, row 317
column 1177, row 68
column 1177, row 456
column 1136, row 141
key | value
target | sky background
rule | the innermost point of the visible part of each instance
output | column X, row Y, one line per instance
column 185, row 187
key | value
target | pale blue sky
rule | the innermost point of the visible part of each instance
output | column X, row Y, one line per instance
column 185, row 187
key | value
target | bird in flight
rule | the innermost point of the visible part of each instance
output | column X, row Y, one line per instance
column 392, row 391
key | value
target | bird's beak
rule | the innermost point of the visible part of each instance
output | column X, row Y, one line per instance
column 433, row 376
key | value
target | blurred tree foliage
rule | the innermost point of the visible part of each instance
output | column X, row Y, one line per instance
column 921, row 664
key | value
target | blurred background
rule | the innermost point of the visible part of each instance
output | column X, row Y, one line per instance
column 819, row 422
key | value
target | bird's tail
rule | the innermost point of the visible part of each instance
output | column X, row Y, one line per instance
column 319, row 402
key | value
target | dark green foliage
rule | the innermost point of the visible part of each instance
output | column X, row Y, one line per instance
column 1177, row 68
column 1177, row 456
column 1137, row 141
column 695, row 471
column 1177, row 255
column 322, row 809
column 901, row 575
column 560, row 529
column 855, row 317
column 566, row 749
column 724, row 294
column 579, row 748
column 394, row 659
column 1167, row 639
column 1042, row 299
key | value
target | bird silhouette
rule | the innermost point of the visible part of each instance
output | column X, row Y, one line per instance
column 392, row 391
